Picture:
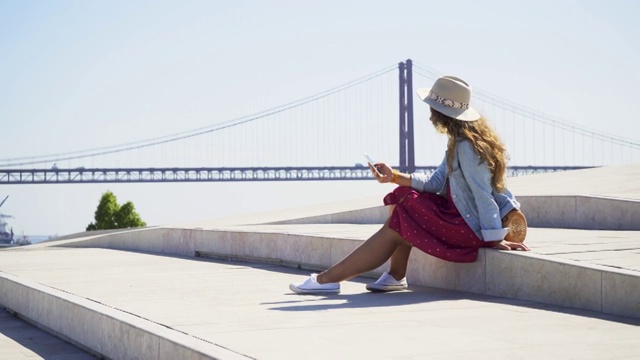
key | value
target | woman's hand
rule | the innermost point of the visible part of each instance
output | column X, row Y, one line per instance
column 384, row 173
column 508, row 245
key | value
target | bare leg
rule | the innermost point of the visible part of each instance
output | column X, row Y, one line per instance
column 368, row 256
column 400, row 257
column 399, row 261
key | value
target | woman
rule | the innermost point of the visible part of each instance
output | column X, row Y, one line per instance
column 451, row 214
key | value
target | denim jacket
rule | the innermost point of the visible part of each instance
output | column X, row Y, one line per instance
column 481, row 206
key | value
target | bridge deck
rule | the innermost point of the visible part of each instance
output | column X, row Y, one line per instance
column 137, row 175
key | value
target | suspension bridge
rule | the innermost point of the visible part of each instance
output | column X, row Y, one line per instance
column 323, row 137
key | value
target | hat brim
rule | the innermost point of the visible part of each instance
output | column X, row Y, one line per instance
column 469, row 114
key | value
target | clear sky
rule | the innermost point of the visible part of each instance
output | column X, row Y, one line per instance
column 83, row 74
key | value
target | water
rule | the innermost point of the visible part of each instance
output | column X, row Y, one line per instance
column 39, row 238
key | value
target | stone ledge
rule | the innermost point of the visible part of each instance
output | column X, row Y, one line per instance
column 553, row 211
column 581, row 212
column 99, row 329
column 522, row 276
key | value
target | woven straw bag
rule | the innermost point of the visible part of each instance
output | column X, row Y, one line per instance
column 517, row 224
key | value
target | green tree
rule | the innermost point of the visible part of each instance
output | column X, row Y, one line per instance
column 110, row 215
column 127, row 217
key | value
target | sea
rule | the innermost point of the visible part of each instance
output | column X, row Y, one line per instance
column 39, row 238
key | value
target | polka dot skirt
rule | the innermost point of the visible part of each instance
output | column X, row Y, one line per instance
column 432, row 224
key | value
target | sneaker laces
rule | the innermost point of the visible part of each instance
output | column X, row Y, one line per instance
column 309, row 280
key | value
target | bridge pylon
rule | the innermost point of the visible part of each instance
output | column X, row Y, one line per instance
column 407, row 150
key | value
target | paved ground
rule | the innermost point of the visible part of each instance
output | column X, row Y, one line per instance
column 248, row 308
column 615, row 249
column 21, row 340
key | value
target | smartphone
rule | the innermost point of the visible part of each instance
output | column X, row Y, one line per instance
column 373, row 164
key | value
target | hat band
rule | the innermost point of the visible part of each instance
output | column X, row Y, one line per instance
column 448, row 102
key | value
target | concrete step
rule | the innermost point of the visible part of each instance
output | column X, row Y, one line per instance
column 561, row 270
column 101, row 329
column 127, row 305
column 20, row 340
column 605, row 198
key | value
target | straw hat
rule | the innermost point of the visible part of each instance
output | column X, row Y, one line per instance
column 450, row 95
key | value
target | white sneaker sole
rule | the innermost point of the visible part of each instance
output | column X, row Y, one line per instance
column 297, row 290
column 385, row 288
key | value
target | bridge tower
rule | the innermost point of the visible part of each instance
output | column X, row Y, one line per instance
column 407, row 159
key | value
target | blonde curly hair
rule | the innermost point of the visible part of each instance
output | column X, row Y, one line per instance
column 484, row 139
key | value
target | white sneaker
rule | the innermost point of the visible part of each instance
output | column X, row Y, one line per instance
column 386, row 283
column 311, row 286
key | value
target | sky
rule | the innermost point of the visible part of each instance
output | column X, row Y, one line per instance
column 76, row 75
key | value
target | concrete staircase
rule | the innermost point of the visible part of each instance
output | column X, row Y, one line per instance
column 584, row 235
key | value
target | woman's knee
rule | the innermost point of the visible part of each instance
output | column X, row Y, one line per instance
column 400, row 241
column 392, row 234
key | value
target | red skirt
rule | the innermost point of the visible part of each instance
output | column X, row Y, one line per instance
column 432, row 224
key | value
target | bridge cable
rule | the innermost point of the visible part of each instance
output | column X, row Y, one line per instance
column 39, row 159
column 535, row 115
